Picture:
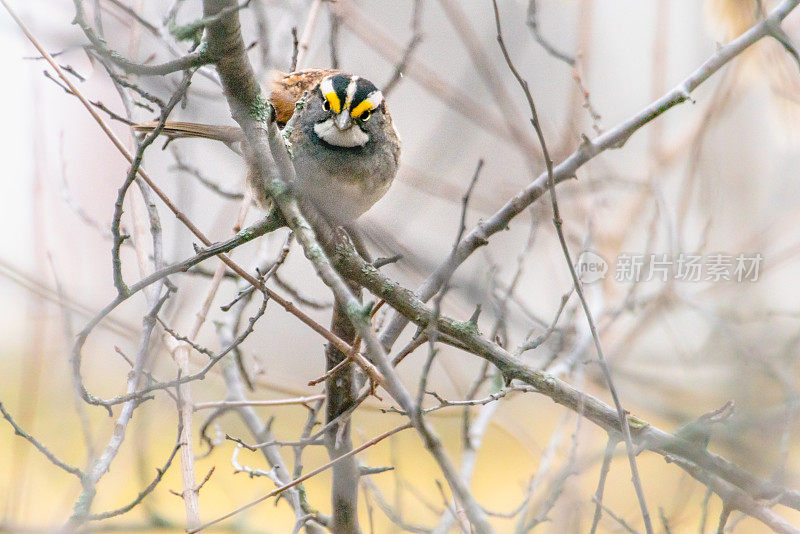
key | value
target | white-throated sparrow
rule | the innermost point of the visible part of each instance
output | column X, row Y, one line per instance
column 343, row 144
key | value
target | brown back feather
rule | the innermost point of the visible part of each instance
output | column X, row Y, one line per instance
column 287, row 89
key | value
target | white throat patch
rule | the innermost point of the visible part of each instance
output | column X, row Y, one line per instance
column 350, row 138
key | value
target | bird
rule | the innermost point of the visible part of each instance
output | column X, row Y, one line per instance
column 342, row 141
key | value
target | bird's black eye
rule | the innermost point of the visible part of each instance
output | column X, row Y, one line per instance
column 326, row 105
column 366, row 115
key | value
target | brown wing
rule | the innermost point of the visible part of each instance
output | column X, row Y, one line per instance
column 287, row 89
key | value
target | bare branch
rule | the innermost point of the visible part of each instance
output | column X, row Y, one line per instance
column 39, row 447
column 160, row 472
column 303, row 478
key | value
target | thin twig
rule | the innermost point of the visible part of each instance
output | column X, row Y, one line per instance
column 160, row 472
column 301, row 48
column 601, row 484
column 626, row 431
column 303, row 478
column 275, row 402
column 416, row 39
column 533, row 24
column 39, row 447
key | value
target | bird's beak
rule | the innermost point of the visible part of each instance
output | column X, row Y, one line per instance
column 343, row 121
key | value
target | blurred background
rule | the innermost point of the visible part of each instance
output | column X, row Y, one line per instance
column 715, row 176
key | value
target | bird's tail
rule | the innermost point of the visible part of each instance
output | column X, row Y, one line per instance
column 179, row 130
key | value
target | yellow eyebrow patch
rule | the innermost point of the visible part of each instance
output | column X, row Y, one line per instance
column 333, row 100
column 366, row 105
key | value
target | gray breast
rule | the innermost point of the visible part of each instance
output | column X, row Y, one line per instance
column 343, row 183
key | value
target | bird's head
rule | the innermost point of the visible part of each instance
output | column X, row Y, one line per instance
column 351, row 110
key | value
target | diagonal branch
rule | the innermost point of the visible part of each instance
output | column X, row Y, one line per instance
column 643, row 434
column 39, row 446
column 589, row 149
